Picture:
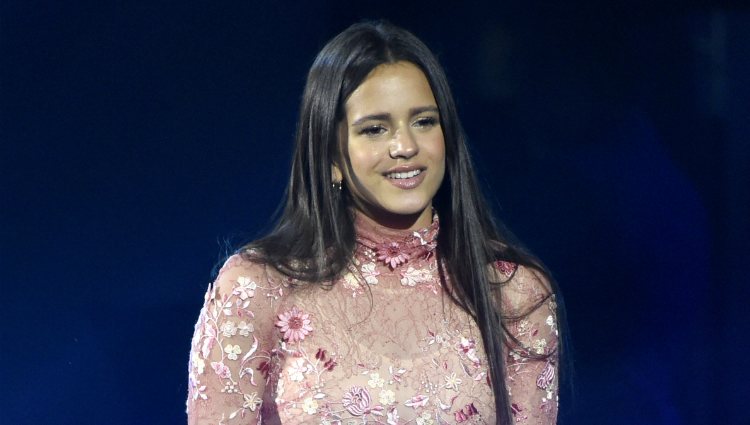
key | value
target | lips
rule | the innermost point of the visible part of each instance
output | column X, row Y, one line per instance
column 406, row 177
column 404, row 174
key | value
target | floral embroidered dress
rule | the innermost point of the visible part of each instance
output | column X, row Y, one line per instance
column 383, row 345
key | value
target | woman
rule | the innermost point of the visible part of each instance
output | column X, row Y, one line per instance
column 385, row 294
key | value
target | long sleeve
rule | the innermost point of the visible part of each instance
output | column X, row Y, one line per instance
column 233, row 347
column 531, row 352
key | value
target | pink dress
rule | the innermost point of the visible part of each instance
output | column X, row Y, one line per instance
column 383, row 345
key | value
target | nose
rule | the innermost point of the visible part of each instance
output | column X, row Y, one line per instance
column 403, row 145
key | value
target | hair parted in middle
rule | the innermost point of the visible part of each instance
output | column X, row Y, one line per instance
column 314, row 238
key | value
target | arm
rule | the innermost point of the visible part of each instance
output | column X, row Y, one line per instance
column 232, row 347
column 529, row 312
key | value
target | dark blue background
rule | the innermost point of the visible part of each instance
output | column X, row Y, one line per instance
column 137, row 139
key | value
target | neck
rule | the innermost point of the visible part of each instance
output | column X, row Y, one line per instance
column 414, row 221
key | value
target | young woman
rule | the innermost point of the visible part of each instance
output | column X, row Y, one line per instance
column 386, row 293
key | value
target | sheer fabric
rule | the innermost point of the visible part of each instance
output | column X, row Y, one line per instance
column 382, row 345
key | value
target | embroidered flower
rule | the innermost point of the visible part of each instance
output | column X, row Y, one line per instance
column 539, row 345
column 425, row 419
column 245, row 328
column 245, row 288
column 375, row 381
column 524, row 326
column 413, row 277
column 294, row 325
column 505, row 267
column 369, row 273
column 350, row 282
column 392, row 254
column 221, row 369
column 228, row 329
column 356, row 401
column 251, row 401
column 468, row 347
column 387, row 397
column 452, row 382
column 232, row 351
column 544, row 380
column 465, row 345
column 297, row 370
column 310, row 406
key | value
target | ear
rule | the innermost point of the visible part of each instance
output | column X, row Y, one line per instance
column 336, row 175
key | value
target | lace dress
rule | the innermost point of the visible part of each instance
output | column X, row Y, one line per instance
column 383, row 345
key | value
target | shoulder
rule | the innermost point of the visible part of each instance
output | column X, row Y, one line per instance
column 243, row 274
column 519, row 289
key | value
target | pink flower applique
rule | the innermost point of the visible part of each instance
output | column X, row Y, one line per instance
column 294, row 325
column 507, row 268
column 357, row 401
column 392, row 254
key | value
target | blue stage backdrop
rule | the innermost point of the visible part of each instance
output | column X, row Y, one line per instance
column 139, row 141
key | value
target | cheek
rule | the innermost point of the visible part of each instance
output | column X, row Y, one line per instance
column 437, row 150
column 364, row 159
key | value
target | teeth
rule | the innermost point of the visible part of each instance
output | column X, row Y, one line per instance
column 405, row 175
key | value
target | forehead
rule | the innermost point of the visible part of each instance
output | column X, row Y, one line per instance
column 393, row 88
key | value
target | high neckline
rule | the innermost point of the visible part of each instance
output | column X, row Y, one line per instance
column 395, row 247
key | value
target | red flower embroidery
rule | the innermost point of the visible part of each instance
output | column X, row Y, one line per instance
column 294, row 325
column 463, row 415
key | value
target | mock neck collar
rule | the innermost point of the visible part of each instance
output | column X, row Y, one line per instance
column 395, row 247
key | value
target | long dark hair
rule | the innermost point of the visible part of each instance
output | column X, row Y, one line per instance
column 314, row 239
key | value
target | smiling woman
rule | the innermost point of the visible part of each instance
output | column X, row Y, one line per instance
column 392, row 153
column 385, row 294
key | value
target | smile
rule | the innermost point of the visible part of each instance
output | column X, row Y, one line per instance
column 404, row 175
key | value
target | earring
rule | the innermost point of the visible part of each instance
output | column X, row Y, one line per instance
column 337, row 186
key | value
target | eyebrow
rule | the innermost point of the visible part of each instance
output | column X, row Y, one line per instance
column 386, row 116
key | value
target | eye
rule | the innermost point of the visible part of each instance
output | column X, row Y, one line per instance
column 372, row 131
column 426, row 122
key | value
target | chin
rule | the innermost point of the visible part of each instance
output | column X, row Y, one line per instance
column 408, row 210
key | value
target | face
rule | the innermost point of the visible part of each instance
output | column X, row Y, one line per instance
column 392, row 157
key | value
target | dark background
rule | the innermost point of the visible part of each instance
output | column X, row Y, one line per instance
column 137, row 139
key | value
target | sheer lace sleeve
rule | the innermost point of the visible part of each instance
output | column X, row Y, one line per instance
column 529, row 311
column 233, row 345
